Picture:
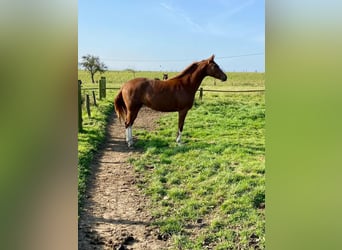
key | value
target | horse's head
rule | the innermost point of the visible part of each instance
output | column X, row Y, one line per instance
column 214, row 70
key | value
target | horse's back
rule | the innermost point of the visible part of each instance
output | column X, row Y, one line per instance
column 144, row 85
column 135, row 85
column 136, row 82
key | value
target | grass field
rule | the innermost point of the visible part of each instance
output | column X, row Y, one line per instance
column 214, row 184
column 209, row 192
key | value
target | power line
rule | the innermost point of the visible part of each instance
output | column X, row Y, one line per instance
column 177, row 60
column 252, row 54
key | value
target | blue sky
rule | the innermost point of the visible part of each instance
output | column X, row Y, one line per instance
column 168, row 35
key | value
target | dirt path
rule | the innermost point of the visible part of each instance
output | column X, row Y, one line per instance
column 116, row 214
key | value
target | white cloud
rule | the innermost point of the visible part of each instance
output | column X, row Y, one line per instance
column 180, row 15
column 240, row 7
column 166, row 6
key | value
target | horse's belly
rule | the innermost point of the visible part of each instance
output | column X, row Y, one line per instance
column 165, row 109
column 167, row 99
column 169, row 104
column 163, row 106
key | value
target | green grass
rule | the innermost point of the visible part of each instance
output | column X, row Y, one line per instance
column 216, row 177
column 90, row 139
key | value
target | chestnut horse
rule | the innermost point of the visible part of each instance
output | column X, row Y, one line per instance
column 174, row 94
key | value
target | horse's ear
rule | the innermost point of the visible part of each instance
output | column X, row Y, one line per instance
column 211, row 59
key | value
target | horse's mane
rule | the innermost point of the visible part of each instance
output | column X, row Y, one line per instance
column 188, row 70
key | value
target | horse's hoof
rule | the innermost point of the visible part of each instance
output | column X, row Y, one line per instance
column 130, row 144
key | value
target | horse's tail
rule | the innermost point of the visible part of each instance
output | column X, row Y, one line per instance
column 120, row 106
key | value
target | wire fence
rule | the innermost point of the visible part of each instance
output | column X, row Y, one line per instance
column 85, row 94
column 199, row 90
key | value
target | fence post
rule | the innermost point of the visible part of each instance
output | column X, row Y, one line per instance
column 201, row 93
column 102, row 87
column 80, row 128
column 88, row 105
column 94, row 97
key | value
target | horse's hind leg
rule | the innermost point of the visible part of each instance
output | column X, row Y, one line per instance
column 130, row 118
column 129, row 136
column 181, row 118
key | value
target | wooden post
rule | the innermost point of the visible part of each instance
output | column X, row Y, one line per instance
column 102, row 87
column 80, row 128
column 201, row 93
column 88, row 105
column 94, row 97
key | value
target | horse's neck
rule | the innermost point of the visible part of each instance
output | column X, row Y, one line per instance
column 194, row 79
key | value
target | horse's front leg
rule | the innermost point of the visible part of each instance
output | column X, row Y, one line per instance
column 181, row 118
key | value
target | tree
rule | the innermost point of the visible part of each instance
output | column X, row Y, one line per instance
column 93, row 65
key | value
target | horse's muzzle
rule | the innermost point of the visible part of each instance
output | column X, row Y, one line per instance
column 224, row 78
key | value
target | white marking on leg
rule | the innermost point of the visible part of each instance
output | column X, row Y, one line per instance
column 127, row 134
column 179, row 137
column 130, row 137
